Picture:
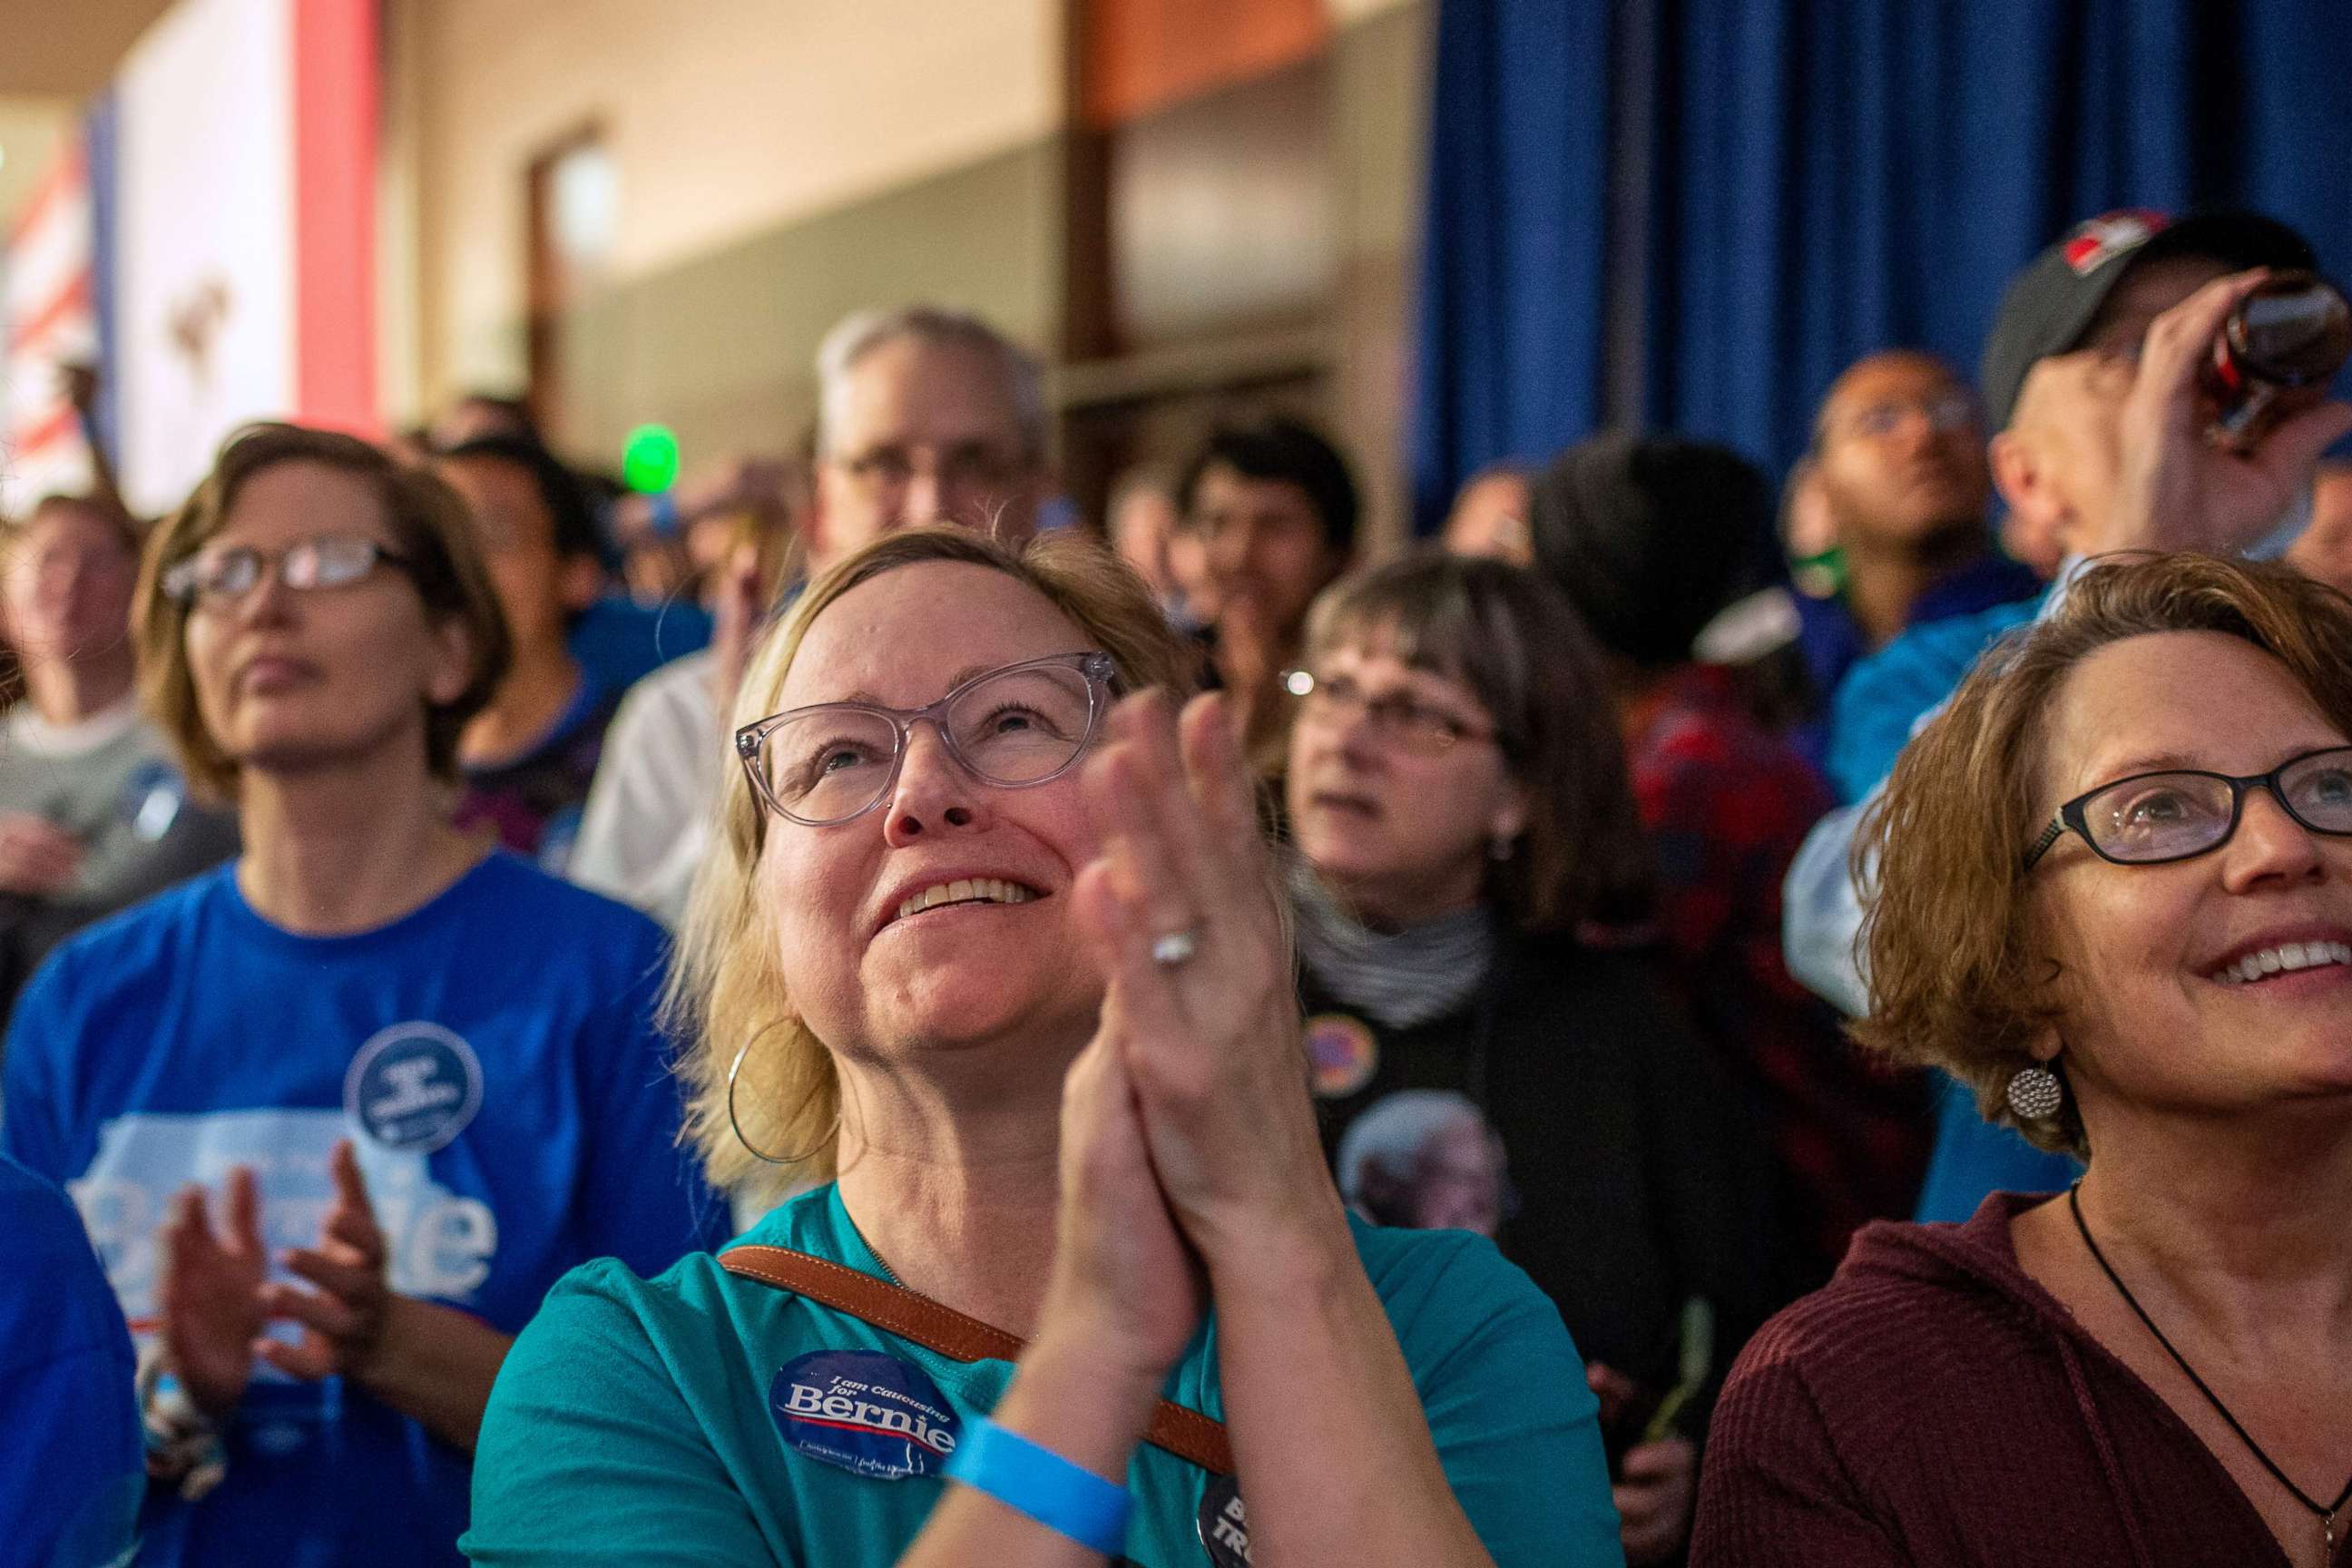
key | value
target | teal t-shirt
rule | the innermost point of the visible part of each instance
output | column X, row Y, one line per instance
column 646, row 1422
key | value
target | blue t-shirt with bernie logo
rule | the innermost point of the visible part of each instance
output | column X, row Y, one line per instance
column 492, row 1057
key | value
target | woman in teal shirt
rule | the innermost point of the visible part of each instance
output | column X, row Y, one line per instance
column 1007, row 964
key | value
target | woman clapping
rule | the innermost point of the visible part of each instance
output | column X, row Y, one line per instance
column 1008, row 965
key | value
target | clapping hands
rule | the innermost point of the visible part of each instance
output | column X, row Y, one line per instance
column 216, row 1296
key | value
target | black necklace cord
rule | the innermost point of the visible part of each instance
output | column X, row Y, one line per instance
column 2325, row 1512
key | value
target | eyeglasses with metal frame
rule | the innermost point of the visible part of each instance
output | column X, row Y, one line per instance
column 1414, row 725
column 1013, row 727
column 222, row 574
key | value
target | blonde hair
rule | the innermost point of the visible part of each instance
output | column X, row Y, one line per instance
column 430, row 529
column 728, row 988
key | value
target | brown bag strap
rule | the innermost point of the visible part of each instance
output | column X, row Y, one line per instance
column 936, row 1326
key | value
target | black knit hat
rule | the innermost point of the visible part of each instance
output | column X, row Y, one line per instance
column 1650, row 537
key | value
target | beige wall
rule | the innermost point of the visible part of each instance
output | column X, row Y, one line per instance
column 724, row 117
column 780, row 161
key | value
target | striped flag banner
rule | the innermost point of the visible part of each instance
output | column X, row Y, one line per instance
column 48, row 319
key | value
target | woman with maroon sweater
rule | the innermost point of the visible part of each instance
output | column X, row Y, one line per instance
column 2116, row 898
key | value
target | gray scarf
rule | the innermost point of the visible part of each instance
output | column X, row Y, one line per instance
column 1397, row 979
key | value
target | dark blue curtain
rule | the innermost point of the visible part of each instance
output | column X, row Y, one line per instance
column 1515, row 271
column 1824, row 178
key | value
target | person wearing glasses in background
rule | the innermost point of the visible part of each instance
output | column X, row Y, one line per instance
column 1458, row 799
column 924, row 414
column 1004, row 969
column 337, row 1114
column 1898, row 465
column 2114, row 897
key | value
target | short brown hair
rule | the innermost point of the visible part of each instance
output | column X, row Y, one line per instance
column 727, row 988
column 1511, row 638
column 430, row 527
column 124, row 527
column 1957, row 975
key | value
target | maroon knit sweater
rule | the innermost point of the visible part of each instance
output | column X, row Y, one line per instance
column 1934, row 1407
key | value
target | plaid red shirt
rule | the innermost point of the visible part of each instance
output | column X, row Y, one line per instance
column 1727, row 802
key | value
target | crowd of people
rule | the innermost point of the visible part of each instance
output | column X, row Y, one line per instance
column 591, row 1027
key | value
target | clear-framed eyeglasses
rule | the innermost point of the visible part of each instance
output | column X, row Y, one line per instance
column 2150, row 819
column 1013, row 726
column 222, row 574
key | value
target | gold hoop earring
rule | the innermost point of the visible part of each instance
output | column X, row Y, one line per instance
column 737, row 1126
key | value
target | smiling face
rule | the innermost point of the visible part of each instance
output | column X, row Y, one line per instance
column 1400, row 829
column 289, row 680
column 2157, row 1015
column 965, row 965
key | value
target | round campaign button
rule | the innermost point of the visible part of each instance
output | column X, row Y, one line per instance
column 1341, row 1053
column 413, row 1087
column 873, row 1415
column 1225, row 1523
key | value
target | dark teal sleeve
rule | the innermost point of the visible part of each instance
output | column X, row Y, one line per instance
column 1516, row 1429
column 590, row 1455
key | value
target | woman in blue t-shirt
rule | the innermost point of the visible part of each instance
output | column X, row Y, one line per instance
column 1008, row 966
column 338, row 1114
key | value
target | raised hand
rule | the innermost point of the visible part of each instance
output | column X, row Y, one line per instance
column 1124, row 1281
column 36, row 855
column 210, row 1290
column 2174, row 489
column 1210, row 1035
column 344, row 1319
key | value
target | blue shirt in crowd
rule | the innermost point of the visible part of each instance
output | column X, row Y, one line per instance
column 619, row 642
column 69, row 1491
column 682, row 1420
column 493, row 1059
column 1877, row 708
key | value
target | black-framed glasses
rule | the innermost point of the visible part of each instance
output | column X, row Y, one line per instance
column 2150, row 819
column 1013, row 726
column 1395, row 717
column 222, row 574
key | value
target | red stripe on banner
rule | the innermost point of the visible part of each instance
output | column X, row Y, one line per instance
column 334, row 59
column 49, row 432
column 63, row 175
column 75, row 295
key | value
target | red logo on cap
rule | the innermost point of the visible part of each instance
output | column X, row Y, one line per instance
column 2111, row 235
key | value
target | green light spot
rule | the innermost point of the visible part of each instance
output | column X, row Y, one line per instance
column 649, row 459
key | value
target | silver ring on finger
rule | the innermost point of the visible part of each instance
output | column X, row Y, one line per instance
column 1175, row 950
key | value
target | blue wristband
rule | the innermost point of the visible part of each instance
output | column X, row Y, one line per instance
column 1066, row 1498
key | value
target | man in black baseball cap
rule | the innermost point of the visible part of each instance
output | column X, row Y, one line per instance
column 2070, row 351
column 2089, row 377
column 2050, row 307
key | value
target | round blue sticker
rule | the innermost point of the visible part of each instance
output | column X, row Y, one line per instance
column 869, row 1413
column 413, row 1087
